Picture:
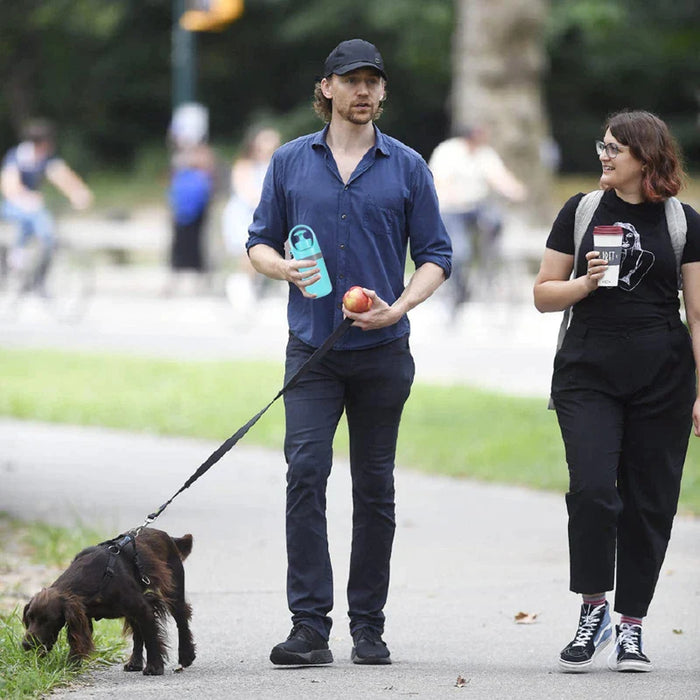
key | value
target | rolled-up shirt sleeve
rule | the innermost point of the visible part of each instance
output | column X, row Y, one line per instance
column 269, row 225
column 428, row 238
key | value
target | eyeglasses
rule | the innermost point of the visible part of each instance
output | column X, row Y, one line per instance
column 612, row 150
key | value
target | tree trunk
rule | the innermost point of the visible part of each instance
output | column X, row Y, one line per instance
column 499, row 59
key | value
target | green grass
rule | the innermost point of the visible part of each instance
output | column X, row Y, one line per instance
column 456, row 430
column 27, row 674
column 56, row 546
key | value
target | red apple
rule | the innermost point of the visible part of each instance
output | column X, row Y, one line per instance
column 356, row 300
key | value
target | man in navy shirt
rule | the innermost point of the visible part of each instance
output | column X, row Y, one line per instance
column 369, row 199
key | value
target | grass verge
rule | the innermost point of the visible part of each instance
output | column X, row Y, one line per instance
column 455, row 430
column 26, row 674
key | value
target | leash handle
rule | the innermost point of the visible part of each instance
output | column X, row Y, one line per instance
column 215, row 456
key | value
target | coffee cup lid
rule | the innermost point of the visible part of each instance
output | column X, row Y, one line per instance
column 607, row 231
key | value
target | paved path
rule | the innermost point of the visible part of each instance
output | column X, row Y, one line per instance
column 468, row 556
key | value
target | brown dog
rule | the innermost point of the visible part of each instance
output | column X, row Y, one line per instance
column 138, row 578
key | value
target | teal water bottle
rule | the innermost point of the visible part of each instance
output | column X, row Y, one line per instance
column 304, row 246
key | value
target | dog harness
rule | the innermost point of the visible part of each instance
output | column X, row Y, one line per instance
column 123, row 544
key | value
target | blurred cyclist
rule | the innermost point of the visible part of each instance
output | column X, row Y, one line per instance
column 24, row 169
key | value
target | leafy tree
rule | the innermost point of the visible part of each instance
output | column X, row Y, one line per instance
column 606, row 56
column 102, row 70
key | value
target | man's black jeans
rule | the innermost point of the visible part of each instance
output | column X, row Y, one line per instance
column 371, row 386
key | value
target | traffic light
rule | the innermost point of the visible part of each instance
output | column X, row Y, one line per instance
column 210, row 15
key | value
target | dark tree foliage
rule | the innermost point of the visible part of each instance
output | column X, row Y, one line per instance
column 102, row 69
column 628, row 54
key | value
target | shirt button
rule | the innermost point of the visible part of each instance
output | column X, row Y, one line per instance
column 342, row 277
column 343, row 216
column 342, row 246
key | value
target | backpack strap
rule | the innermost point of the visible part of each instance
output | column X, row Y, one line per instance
column 677, row 229
column 582, row 219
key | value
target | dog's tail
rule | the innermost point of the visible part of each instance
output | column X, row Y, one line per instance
column 184, row 545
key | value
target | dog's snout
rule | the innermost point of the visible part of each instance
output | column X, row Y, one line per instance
column 31, row 643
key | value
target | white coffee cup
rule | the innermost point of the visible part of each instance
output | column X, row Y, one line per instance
column 607, row 240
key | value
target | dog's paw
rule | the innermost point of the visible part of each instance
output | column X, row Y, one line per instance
column 186, row 657
column 132, row 665
column 153, row 670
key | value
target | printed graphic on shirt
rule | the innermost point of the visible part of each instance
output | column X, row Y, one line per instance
column 635, row 262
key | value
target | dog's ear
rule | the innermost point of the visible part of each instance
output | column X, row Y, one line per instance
column 25, row 622
column 78, row 628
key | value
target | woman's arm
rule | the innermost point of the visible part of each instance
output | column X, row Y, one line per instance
column 554, row 291
column 691, row 299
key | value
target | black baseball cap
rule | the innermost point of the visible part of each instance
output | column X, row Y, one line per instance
column 352, row 54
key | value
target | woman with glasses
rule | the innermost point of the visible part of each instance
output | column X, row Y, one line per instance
column 624, row 382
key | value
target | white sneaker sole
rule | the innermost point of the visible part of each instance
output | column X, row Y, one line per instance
column 629, row 665
column 584, row 666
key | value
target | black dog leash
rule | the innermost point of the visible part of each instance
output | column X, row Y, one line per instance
column 228, row 444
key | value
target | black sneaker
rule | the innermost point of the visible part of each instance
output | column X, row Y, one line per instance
column 368, row 647
column 592, row 636
column 627, row 653
column 304, row 646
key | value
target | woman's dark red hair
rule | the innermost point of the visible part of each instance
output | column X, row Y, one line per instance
column 650, row 142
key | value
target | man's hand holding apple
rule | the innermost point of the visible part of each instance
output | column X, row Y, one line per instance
column 367, row 310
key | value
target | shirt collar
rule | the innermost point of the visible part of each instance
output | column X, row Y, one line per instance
column 381, row 143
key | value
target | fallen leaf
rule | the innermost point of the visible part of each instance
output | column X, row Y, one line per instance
column 461, row 682
column 677, row 631
column 523, row 618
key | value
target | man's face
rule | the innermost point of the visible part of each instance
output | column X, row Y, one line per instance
column 356, row 96
column 43, row 148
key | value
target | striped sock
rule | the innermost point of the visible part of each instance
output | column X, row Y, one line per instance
column 594, row 599
column 629, row 620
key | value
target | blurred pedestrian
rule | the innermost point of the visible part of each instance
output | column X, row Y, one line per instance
column 469, row 177
column 247, row 176
column 24, row 169
column 624, row 382
column 190, row 194
column 369, row 199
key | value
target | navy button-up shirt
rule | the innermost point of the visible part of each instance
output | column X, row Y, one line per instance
column 364, row 228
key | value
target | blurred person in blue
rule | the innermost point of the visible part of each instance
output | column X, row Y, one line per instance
column 190, row 193
column 25, row 167
column 471, row 178
column 370, row 200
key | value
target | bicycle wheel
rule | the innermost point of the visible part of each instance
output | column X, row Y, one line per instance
column 70, row 283
column 17, row 270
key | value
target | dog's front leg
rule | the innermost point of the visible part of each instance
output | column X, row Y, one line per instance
column 78, row 627
column 135, row 663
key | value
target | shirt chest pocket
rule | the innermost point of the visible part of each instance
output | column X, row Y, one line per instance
column 380, row 220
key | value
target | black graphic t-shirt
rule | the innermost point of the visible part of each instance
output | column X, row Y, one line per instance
column 647, row 292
